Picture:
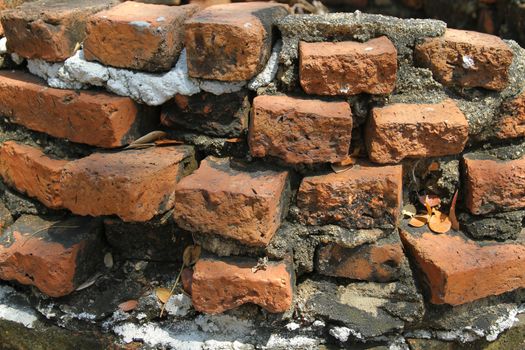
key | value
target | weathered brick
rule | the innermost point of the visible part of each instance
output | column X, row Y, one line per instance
column 223, row 115
column 30, row 171
column 466, row 59
column 95, row 118
column 401, row 130
column 135, row 185
column 54, row 256
column 8, row 4
column 222, row 284
column 511, row 122
column 300, row 130
column 49, row 29
column 245, row 203
column 207, row 3
column 379, row 262
column 364, row 196
column 138, row 36
column 348, row 68
column 458, row 271
column 233, row 41
column 494, row 185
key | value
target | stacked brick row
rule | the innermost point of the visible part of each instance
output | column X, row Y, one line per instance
column 271, row 169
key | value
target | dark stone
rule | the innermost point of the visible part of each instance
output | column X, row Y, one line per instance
column 154, row 240
column 5, row 217
column 221, row 116
column 500, row 226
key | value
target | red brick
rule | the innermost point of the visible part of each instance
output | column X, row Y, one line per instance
column 467, row 59
column 364, row 196
column 245, row 203
column 223, row 284
column 348, row 68
column 494, row 185
column 459, row 271
column 511, row 122
column 95, row 118
column 56, row 257
column 30, row 171
column 231, row 42
column 377, row 262
column 49, row 29
column 138, row 36
column 300, row 130
column 207, row 3
column 135, row 185
column 415, row 4
column 8, row 4
column 401, row 131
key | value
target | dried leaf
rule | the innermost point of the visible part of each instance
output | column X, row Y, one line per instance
column 434, row 166
column 108, row 260
column 452, row 213
column 168, row 142
column 418, row 220
column 431, row 199
column 147, row 139
column 234, row 140
column 128, row 306
column 349, row 160
column 163, row 294
column 439, row 222
column 89, row 282
column 341, row 169
column 191, row 254
column 409, row 210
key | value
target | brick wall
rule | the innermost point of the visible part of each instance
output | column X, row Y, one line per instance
column 344, row 178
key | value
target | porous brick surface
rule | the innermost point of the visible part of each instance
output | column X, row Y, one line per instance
column 511, row 123
column 348, row 68
column 298, row 130
column 30, row 171
column 135, row 185
column 54, row 256
column 401, row 131
column 91, row 117
column 467, row 59
column 238, row 201
column 364, row 196
column 137, row 36
column 222, row 284
column 494, row 185
column 458, row 271
column 379, row 262
column 233, row 41
column 49, row 29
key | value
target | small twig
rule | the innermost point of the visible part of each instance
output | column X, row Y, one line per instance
column 172, row 290
column 43, row 229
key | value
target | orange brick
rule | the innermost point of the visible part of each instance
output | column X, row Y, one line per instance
column 135, row 185
column 223, row 284
column 246, row 203
column 49, row 29
column 233, row 41
column 348, row 68
column 138, row 36
column 95, row 118
column 30, row 171
column 511, row 123
column 401, row 131
column 300, row 130
column 459, row 271
column 467, row 59
column 56, row 257
column 494, row 185
column 364, row 196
